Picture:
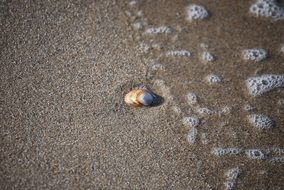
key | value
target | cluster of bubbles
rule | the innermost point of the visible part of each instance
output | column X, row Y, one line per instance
column 231, row 178
column 159, row 30
column 254, row 54
column 261, row 121
column 256, row 85
column 196, row 12
column 261, row 84
column 268, row 9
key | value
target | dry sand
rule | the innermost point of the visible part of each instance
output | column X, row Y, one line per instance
column 66, row 65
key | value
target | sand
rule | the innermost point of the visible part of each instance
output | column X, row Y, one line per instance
column 66, row 66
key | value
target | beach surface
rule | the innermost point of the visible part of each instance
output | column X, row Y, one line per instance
column 67, row 65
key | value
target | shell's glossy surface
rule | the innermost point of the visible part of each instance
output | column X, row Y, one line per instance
column 140, row 97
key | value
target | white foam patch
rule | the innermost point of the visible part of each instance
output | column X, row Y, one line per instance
column 205, row 111
column 196, row 12
column 157, row 66
column 231, row 178
column 176, row 109
column 248, row 107
column 255, row 154
column 146, row 47
column 261, row 121
column 133, row 3
column 280, row 102
column 276, row 150
column 229, row 185
column 207, row 57
column 203, row 138
column 268, row 9
column 179, row 53
column 128, row 13
column 213, row 79
column 226, row 151
column 282, row 48
column 277, row 160
column 192, row 136
column 159, row 30
column 191, row 98
column 137, row 25
column 204, row 46
column 264, row 83
column 233, row 173
column 225, row 110
column 140, row 13
column 190, row 121
column 254, row 54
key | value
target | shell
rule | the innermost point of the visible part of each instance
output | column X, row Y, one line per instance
column 140, row 98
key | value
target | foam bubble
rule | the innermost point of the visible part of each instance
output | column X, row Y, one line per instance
column 191, row 136
column 248, row 107
column 144, row 47
column 277, row 160
column 275, row 150
column 233, row 173
column 179, row 53
column 190, row 121
column 268, row 9
column 261, row 121
column 159, row 30
column 140, row 13
column 204, row 138
column 207, row 57
column 280, row 102
column 229, row 185
column 204, row 46
column 205, row 111
column 264, row 83
column 176, row 109
column 137, row 25
column 213, row 79
column 157, row 66
column 128, row 13
column 231, row 178
column 191, row 98
column 196, row 12
column 133, row 3
column 254, row 54
column 282, row 48
column 225, row 110
column 226, row 151
column 255, row 154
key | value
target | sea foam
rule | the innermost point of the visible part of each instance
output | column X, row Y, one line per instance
column 179, row 53
column 159, row 30
column 226, row 151
column 255, row 154
column 268, row 9
column 207, row 57
column 213, row 79
column 254, row 54
column 261, row 121
column 196, row 12
column 190, row 121
column 261, row 84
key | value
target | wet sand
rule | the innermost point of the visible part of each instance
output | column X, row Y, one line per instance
column 66, row 66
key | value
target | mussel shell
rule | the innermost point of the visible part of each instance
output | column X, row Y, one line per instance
column 147, row 98
column 141, row 97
